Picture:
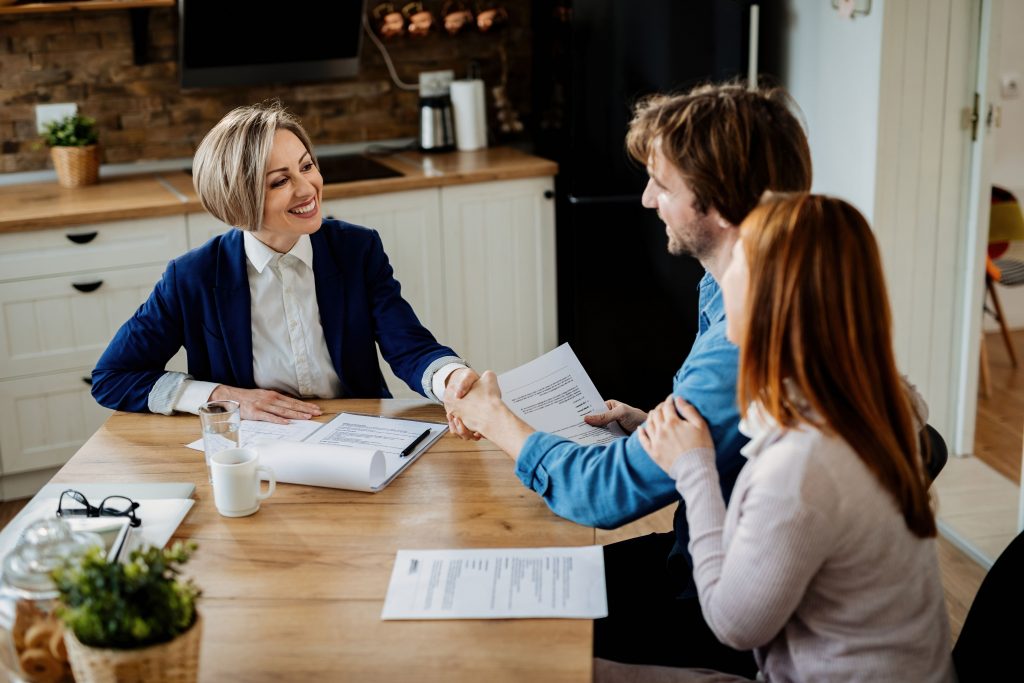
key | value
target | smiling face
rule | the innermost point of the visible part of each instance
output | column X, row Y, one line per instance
column 294, row 189
column 689, row 231
column 735, row 285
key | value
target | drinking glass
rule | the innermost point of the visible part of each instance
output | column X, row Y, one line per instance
column 222, row 423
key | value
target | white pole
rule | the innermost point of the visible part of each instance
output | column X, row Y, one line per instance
column 755, row 18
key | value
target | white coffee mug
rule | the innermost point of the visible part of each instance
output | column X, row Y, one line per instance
column 236, row 481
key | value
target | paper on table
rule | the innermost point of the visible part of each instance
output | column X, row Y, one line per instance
column 313, row 464
column 498, row 583
column 385, row 434
column 254, row 430
column 160, row 518
column 552, row 393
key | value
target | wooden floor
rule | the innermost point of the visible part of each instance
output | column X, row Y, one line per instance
column 999, row 433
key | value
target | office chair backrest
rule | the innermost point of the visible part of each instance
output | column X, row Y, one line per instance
column 937, row 451
column 988, row 648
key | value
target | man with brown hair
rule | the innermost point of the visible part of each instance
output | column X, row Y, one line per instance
column 710, row 154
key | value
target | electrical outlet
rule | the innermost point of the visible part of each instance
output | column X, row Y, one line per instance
column 435, row 82
column 53, row 112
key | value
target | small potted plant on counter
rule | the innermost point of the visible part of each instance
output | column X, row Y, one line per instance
column 73, row 148
column 131, row 622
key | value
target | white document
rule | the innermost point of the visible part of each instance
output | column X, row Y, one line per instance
column 356, row 452
column 160, row 518
column 552, row 394
column 498, row 583
column 256, row 430
column 386, row 435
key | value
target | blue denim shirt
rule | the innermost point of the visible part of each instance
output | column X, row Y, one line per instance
column 613, row 484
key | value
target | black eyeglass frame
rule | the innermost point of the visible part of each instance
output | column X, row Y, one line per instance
column 97, row 511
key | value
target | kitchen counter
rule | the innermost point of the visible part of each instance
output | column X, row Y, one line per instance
column 36, row 206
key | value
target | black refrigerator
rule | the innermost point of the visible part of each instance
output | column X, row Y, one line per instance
column 626, row 306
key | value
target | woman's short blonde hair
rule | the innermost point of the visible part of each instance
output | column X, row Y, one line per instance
column 229, row 166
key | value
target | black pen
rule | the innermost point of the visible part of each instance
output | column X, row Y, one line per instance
column 411, row 447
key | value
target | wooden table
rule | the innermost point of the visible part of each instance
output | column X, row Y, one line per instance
column 294, row 592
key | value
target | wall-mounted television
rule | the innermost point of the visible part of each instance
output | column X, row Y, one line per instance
column 224, row 43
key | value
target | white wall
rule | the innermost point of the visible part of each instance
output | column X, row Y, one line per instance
column 1008, row 167
column 832, row 68
column 882, row 96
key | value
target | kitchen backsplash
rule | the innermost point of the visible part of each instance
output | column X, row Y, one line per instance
column 143, row 113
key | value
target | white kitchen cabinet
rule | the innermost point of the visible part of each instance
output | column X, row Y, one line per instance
column 32, row 254
column 499, row 265
column 63, row 294
column 44, row 419
column 55, row 323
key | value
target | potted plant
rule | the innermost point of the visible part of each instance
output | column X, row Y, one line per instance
column 73, row 148
column 131, row 621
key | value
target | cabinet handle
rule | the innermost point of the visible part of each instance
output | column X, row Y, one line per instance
column 83, row 238
column 548, row 194
column 87, row 287
column 87, row 380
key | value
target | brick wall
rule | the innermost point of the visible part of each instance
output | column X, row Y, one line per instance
column 143, row 114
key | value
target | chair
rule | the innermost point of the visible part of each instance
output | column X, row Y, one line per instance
column 938, row 454
column 989, row 643
column 1006, row 224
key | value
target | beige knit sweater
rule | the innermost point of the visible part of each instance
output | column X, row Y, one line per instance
column 812, row 565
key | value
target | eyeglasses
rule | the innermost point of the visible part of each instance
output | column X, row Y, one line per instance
column 72, row 502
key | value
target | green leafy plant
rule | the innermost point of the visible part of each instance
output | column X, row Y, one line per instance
column 139, row 603
column 71, row 131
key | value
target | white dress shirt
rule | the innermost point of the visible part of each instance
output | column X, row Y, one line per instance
column 298, row 364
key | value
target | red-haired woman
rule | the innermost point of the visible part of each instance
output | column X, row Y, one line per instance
column 824, row 561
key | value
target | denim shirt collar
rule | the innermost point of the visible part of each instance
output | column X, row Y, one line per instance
column 712, row 309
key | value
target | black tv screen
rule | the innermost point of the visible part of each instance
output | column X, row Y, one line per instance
column 222, row 43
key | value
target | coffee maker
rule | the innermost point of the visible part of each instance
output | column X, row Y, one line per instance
column 437, row 125
column 437, row 130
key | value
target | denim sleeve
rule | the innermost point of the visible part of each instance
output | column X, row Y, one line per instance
column 613, row 484
column 708, row 381
column 604, row 486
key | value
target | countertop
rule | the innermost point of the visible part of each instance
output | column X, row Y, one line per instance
column 36, row 206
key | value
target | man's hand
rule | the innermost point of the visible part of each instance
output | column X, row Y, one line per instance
column 628, row 417
column 266, row 405
column 457, row 385
column 479, row 405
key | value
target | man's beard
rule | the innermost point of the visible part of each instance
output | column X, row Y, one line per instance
column 698, row 242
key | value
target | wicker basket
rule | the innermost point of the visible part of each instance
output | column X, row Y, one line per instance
column 173, row 662
column 76, row 166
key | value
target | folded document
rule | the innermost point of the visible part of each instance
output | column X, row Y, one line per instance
column 356, row 452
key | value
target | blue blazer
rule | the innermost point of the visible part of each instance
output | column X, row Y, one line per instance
column 202, row 303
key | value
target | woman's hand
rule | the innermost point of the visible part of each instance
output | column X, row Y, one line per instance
column 457, row 385
column 628, row 417
column 266, row 405
column 666, row 436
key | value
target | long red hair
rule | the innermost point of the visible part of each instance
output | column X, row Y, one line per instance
column 819, row 322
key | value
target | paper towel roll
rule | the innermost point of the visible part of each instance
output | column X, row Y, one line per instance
column 470, row 114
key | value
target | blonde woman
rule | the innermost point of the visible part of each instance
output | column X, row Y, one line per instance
column 824, row 560
column 287, row 308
